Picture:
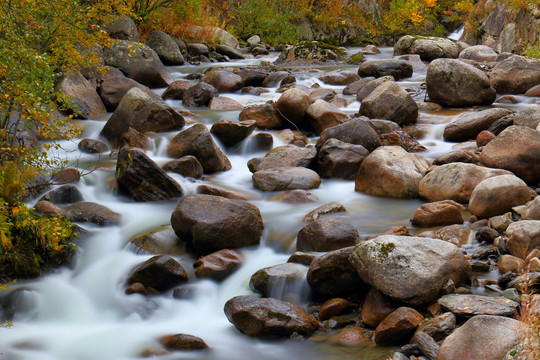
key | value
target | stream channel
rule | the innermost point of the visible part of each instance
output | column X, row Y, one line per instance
column 83, row 313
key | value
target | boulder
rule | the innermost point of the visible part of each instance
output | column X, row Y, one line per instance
column 230, row 132
column 218, row 265
column 279, row 281
column 376, row 308
column 399, row 69
column 530, row 117
column 197, row 141
column 224, row 103
column 339, row 77
column 265, row 115
column 292, row 105
column 429, row 48
column 391, row 102
column 92, row 146
column 326, row 235
column 534, row 91
column 160, row 272
column 258, row 317
column 329, row 208
column 212, row 34
column 419, row 279
column 482, row 337
column 65, row 194
column 86, row 101
column 498, row 195
column 252, row 77
column 469, row 124
column 446, row 212
column 223, row 81
column 398, row 327
column 455, row 181
column 323, row 115
column 290, row 178
column 142, row 179
column 229, row 51
column 480, row 53
column 456, row 234
column 517, row 149
column 199, row 95
column 472, row 305
column 354, row 87
column 453, row 83
column 84, row 211
column 338, row 159
column 197, row 49
column 142, row 112
column 138, row 62
column 122, row 28
column 403, row 139
column 212, row 223
column 112, row 90
column 333, row 275
column 370, row 86
column 165, row 47
column 355, row 131
column 177, row 89
column 287, row 156
column 524, row 236
column 275, row 78
column 48, row 209
column 391, row 171
column 187, row 166
column 515, row 75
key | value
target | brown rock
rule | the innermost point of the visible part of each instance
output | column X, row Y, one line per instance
column 258, row 317
column 92, row 146
column 82, row 94
column 112, row 89
column 376, row 308
column 440, row 326
column 391, row 102
column 469, row 124
column 265, row 115
column 211, row 190
column 182, row 342
column 338, row 159
column 332, row 307
column 398, row 327
column 403, row 139
column 509, row 263
column 323, row 115
column 290, row 178
column 484, row 137
column 160, row 241
column 160, row 272
column 515, row 75
column 292, row 105
column 187, row 166
column 212, row 223
column 295, row 197
column 199, row 95
column 351, row 337
column 326, row 235
column 339, row 77
column 224, row 103
column 84, row 211
column 446, row 212
column 48, row 209
column 472, row 305
column 230, row 133
column 325, row 209
column 177, row 90
column 223, row 81
column 218, row 265
column 399, row 69
column 482, row 337
column 356, row 131
column 524, row 237
column 287, row 156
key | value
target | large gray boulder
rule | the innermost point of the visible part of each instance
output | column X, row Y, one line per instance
column 455, row 181
column 410, row 269
column 429, row 48
column 86, row 101
column 515, row 75
column 143, row 112
column 122, row 28
column 389, row 101
column 482, row 337
column 142, row 179
column 165, row 47
column 391, row 171
column 517, row 149
column 212, row 223
column 453, row 83
column 258, row 317
column 138, row 62
column 197, row 141
column 469, row 124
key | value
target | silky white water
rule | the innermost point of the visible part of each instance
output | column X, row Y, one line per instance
column 83, row 313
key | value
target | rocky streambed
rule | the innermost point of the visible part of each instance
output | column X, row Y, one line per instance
column 307, row 209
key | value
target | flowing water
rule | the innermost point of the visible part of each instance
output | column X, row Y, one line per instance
column 82, row 313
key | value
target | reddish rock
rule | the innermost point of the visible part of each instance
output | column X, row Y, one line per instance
column 265, row 115
column 484, row 137
column 351, row 337
column 177, row 90
column 224, row 103
column 182, row 342
column 295, row 197
column 439, row 327
column 223, row 81
column 398, row 327
column 218, row 265
column 231, row 132
column 332, row 307
column 187, row 166
column 160, row 272
column 534, row 91
column 403, row 139
column 211, row 190
column 376, row 308
column 446, row 212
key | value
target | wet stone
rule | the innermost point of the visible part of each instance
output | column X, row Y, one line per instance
column 472, row 305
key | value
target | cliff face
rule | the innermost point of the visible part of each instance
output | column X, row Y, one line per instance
column 502, row 27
